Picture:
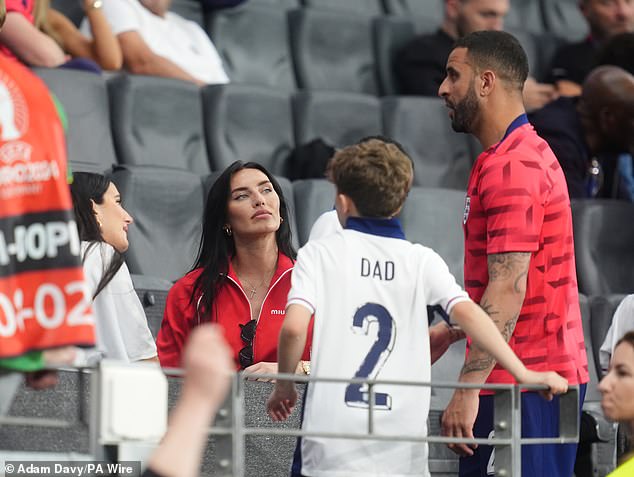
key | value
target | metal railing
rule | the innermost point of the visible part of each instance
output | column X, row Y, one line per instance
column 230, row 422
column 507, row 422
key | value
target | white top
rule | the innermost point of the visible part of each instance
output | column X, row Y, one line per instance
column 325, row 225
column 369, row 295
column 622, row 322
column 120, row 322
column 173, row 37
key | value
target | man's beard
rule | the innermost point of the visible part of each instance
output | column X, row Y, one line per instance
column 465, row 112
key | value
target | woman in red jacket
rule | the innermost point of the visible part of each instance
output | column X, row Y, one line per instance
column 242, row 275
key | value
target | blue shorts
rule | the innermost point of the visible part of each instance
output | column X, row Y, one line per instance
column 540, row 418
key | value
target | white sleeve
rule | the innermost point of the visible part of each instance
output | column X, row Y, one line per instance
column 325, row 225
column 303, row 289
column 622, row 322
column 122, row 16
column 135, row 333
column 439, row 284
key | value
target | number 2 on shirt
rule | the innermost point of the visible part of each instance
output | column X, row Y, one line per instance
column 357, row 395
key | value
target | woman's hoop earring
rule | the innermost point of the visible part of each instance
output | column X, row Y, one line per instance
column 227, row 230
column 281, row 219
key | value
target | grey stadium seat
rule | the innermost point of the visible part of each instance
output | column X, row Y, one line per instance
column 71, row 10
column 525, row 15
column 157, row 122
column 356, row 7
column 433, row 217
column 167, row 207
column 596, row 433
column 85, row 100
column 604, row 234
column 427, row 15
column 152, row 292
column 390, row 35
column 602, row 311
column 253, row 41
column 441, row 157
column 340, row 119
column 332, row 51
column 189, row 9
column 563, row 18
column 248, row 123
column 528, row 40
column 313, row 197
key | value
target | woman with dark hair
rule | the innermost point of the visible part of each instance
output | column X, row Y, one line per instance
column 242, row 275
column 617, row 389
column 102, row 223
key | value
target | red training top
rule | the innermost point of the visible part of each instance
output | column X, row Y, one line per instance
column 230, row 309
column 517, row 201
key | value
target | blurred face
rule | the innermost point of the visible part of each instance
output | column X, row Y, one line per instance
column 458, row 91
column 476, row 15
column 114, row 219
column 609, row 17
column 158, row 7
column 617, row 387
column 254, row 206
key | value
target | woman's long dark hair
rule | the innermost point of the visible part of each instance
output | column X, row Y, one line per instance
column 87, row 186
column 216, row 247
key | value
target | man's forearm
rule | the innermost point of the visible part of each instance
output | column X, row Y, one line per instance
column 157, row 65
column 479, row 364
column 502, row 301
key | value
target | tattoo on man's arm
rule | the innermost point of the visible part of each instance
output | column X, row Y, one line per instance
column 509, row 327
column 505, row 266
column 488, row 308
column 477, row 365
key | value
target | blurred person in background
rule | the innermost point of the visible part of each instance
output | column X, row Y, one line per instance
column 420, row 65
column 592, row 135
column 157, row 42
column 574, row 61
column 39, row 35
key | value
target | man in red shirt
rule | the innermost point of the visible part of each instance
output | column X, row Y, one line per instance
column 519, row 252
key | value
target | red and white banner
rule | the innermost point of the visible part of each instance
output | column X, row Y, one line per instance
column 43, row 299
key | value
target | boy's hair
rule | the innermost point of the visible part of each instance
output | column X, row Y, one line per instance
column 375, row 174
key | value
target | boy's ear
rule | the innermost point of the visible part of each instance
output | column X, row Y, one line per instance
column 343, row 203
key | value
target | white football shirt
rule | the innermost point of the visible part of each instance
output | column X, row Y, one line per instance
column 369, row 293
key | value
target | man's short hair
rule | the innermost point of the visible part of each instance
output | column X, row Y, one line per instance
column 375, row 174
column 498, row 51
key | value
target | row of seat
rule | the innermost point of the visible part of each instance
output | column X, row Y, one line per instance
column 141, row 120
column 538, row 16
column 167, row 206
column 323, row 49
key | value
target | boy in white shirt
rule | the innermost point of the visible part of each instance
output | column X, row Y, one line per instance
column 369, row 289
